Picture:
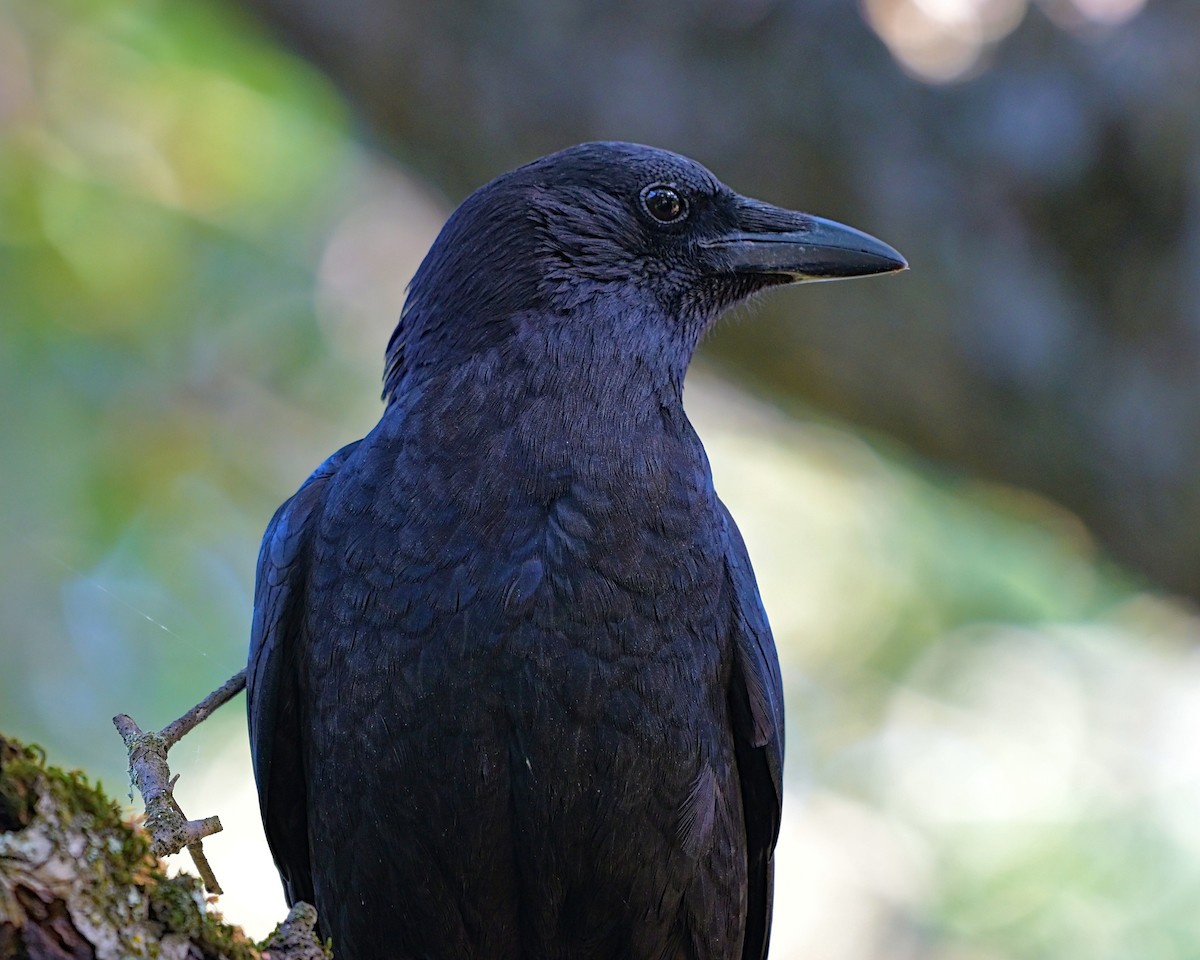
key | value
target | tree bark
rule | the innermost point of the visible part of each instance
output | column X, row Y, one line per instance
column 79, row 882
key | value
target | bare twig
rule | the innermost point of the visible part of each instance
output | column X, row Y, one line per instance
column 170, row 831
column 172, row 733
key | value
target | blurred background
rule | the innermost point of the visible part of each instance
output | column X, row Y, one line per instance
column 970, row 491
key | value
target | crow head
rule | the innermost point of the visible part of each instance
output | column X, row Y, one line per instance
column 610, row 230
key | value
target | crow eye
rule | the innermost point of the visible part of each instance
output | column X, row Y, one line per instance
column 664, row 203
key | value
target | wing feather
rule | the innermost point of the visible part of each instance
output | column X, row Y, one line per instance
column 756, row 700
column 270, row 678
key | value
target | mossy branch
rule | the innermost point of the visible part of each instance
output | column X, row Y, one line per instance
column 78, row 880
column 171, row 831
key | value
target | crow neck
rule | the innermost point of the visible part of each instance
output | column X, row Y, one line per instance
column 585, row 394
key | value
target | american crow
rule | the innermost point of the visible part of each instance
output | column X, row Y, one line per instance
column 512, row 692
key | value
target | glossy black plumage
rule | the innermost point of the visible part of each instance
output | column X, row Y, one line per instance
column 512, row 692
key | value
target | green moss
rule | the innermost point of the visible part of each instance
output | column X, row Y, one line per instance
column 175, row 902
column 117, row 865
column 16, row 796
column 24, row 766
column 218, row 939
column 26, row 776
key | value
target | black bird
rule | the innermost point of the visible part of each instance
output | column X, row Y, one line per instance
column 512, row 692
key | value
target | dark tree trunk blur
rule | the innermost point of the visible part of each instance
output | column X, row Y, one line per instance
column 1048, row 334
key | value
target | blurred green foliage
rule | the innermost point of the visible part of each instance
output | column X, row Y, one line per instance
column 988, row 724
column 165, row 177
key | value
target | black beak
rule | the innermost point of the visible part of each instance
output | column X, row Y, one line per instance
column 771, row 240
